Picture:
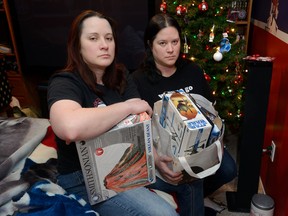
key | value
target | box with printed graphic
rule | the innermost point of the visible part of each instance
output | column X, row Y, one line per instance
column 119, row 160
column 189, row 126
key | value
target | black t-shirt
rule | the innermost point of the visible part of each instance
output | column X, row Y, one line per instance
column 70, row 86
column 189, row 77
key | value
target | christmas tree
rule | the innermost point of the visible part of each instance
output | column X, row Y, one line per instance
column 211, row 39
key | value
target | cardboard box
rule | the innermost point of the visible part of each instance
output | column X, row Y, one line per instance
column 189, row 126
column 119, row 160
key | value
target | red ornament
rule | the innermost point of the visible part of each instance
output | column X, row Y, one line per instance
column 163, row 7
column 203, row 6
column 184, row 10
column 207, row 77
column 179, row 10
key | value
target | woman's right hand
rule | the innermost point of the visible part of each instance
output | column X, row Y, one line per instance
column 161, row 163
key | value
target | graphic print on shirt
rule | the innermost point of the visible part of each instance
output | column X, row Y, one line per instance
column 98, row 103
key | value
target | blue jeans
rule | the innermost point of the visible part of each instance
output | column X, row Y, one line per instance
column 226, row 173
column 135, row 202
column 189, row 196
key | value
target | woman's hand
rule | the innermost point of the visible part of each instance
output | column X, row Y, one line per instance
column 138, row 106
column 162, row 165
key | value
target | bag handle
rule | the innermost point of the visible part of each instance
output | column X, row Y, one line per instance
column 206, row 172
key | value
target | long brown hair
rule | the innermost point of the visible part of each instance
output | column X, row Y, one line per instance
column 113, row 77
column 156, row 24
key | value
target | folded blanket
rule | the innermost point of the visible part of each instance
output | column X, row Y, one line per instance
column 19, row 137
column 30, row 188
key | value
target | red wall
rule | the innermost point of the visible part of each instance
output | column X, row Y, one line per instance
column 274, row 175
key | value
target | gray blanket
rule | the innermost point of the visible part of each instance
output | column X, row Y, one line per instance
column 18, row 138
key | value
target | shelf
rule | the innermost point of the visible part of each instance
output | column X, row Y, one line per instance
column 240, row 14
